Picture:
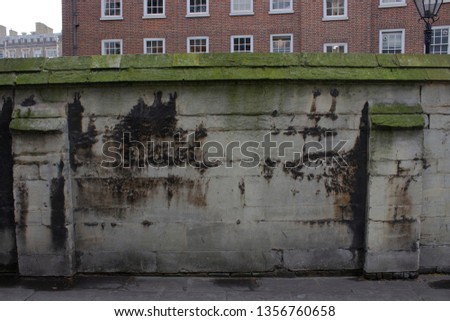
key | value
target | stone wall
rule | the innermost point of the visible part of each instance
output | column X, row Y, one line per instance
column 368, row 192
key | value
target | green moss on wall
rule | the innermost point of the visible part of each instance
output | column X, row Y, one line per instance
column 38, row 124
column 389, row 121
column 224, row 66
column 395, row 109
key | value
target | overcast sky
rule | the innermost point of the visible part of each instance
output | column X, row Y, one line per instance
column 21, row 15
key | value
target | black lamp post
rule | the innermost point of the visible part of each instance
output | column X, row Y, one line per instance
column 428, row 10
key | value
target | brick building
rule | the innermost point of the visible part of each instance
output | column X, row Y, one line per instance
column 41, row 43
column 171, row 26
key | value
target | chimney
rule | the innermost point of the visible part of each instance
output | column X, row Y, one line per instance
column 42, row 29
column 2, row 31
column 12, row 32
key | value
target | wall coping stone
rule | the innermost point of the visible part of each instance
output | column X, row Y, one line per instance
column 226, row 66
column 396, row 116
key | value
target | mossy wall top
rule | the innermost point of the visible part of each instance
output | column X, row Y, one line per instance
column 205, row 67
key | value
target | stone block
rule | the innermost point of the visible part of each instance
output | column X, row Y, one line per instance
column 52, row 158
column 7, row 247
column 26, row 144
column 410, row 167
column 244, row 236
column 435, row 142
column 108, row 236
column 38, row 125
column 32, row 196
column 312, row 234
column 440, row 121
column 41, row 111
column 46, row 265
column 43, row 240
column 391, row 261
column 435, row 230
column 444, row 166
column 396, row 145
column 322, row 259
column 395, row 191
column 217, row 261
column 434, row 96
column 432, row 181
column 394, row 212
column 433, row 208
column 383, row 167
column 435, row 257
column 126, row 261
column 393, row 236
column 49, row 170
column 44, row 96
column 26, row 172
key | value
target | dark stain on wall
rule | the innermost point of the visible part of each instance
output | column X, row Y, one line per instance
column 58, row 210
column 29, row 101
column 125, row 191
column 144, row 124
column 7, row 222
column 358, row 195
column 80, row 142
column 344, row 180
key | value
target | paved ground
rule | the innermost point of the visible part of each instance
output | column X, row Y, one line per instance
column 143, row 288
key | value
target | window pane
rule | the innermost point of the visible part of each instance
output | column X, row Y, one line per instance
column 439, row 41
column 198, row 6
column 335, row 7
column 242, row 5
column 281, row 5
column 281, row 44
column 198, row 45
column 112, row 8
column 112, row 48
column 242, row 44
column 392, row 42
column 154, row 47
column 335, row 48
column 155, row 6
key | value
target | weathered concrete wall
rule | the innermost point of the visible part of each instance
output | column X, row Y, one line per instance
column 435, row 216
column 355, row 201
column 395, row 188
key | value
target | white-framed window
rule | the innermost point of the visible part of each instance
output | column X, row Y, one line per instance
column 11, row 53
column 392, row 41
column 392, row 3
column 111, row 9
column 335, row 47
column 335, row 10
column 281, row 43
column 112, row 47
column 440, row 40
column 154, row 9
column 197, row 8
column 281, row 6
column 25, row 53
column 37, row 52
column 241, row 7
column 2, row 54
column 198, row 45
column 242, row 44
column 154, row 46
column 51, row 52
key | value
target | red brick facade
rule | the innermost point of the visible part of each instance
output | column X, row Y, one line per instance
column 360, row 30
